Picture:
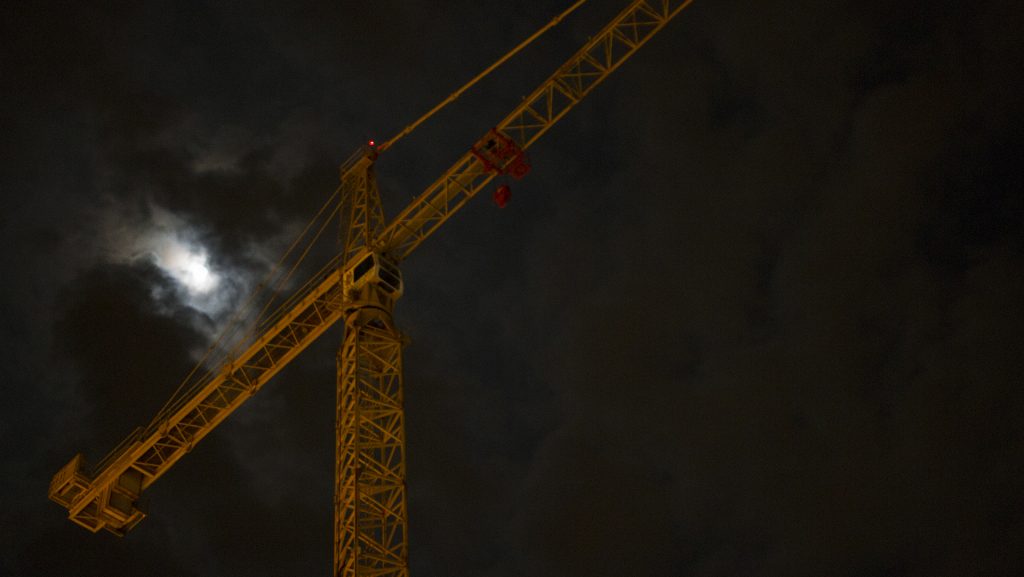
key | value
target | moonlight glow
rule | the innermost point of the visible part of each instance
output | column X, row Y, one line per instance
column 188, row 266
column 192, row 275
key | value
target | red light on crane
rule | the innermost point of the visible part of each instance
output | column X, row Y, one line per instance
column 502, row 195
column 372, row 143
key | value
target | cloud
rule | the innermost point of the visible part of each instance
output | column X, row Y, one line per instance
column 754, row 311
column 767, row 353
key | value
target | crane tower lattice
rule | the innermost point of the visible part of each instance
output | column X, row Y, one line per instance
column 359, row 287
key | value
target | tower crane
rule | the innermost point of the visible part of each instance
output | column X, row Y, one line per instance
column 358, row 287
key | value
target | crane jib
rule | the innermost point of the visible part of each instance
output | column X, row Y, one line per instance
column 107, row 498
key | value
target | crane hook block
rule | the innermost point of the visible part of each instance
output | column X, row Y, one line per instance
column 502, row 195
column 500, row 154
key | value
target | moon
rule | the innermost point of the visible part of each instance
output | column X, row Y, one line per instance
column 189, row 266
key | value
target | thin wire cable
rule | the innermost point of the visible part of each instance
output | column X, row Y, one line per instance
column 284, row 280
column 257, row 324
column 454, row 95
column 233, row 324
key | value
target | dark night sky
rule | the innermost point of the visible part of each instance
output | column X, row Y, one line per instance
column 756, row 310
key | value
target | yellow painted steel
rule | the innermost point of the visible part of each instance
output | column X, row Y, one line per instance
column 370, row 522
column 455, row 95
column 369, row 487
column 361, row 286
column 538, row 112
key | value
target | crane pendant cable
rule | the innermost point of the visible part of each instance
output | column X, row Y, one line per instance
column 455, row 95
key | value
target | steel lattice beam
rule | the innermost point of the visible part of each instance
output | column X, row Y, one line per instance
column 537, row 113
column 370, row 508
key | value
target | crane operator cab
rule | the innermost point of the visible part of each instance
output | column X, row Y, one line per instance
column 376, row 269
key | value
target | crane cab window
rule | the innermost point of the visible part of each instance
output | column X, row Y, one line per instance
column 364, row 266
column 377, row 269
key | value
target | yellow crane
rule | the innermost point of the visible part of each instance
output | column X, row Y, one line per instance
column 359, row 287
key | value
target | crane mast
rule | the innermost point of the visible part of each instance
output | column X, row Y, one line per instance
column 369, row 482
column 359, row 286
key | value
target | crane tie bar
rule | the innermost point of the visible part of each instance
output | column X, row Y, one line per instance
column 455, row 95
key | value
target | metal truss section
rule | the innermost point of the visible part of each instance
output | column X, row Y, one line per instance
column 370, row 533
column 361, row 285
column 434, row 207
column 362, row 216
column 601, row 56
column 150, row 452
column 538, row 112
